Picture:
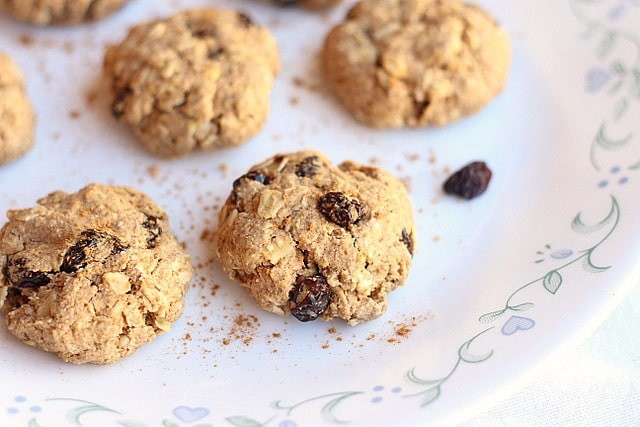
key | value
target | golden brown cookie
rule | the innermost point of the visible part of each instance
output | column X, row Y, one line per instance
column 314, row 240
column 60, row 12
column 91, row 276
column 196, row 81
column 17, row 118
column 397, row 63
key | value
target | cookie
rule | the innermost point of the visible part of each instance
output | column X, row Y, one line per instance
column 17, row 118
column 314, row 240
column 196, row 81
column 395, row 63
column 60, row 12
column 308, row 4
column 91, row 276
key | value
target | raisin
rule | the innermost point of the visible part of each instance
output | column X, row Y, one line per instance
column 117, row 106
column 33, row 279
column 93, row 245
column 469, row 182
column 337, row 208
column 215, row 54
column 407, row 240
column 253, row 176
column 21, row 277
column 151, row 224
column 309, row 298
column 308, row 168
column 204, row 33
column 245, row 20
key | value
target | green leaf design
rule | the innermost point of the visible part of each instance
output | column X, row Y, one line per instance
column 607, row 44
column 491, row 316
column 430, row 395
column 608, row 143
column 411, row 376
column 465, row 354
column 327, row 410
column 75, row 414
column 618, row 67
column 33, row 423
column 129, row 423
column 620, row 108
column 242, row 421
column 169, row 423
column 552, row 281
column 580, row 227
column 522, row 307
column 635, row 166
column 589, row 266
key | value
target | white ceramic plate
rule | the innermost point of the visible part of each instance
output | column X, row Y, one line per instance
column 497, row 285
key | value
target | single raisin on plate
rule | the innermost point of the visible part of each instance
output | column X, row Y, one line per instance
column 407, row 240
column 469, row 182
column 340, row 210
column 308, row 168
column 309, row 298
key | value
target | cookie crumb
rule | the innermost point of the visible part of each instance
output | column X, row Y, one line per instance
column 153, row 171
column 26, row 40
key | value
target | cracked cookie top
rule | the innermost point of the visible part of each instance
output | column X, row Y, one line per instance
column 60, row 12
column 314, row 240
column 17, row 118
column 198, row 80
column 93, row 275
column 396, row 63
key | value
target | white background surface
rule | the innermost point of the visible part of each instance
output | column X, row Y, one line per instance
column 595, row 383
column 485, row 249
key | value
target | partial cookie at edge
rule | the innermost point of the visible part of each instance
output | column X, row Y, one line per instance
column 91, row 276
column 17, row 118
column 60, row 12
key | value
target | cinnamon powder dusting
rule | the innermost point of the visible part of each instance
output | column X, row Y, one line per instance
column 243, row 329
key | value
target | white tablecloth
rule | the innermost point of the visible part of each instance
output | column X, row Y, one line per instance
column 597, row 383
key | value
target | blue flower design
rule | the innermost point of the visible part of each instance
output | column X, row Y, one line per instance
column 379, row 388
column 20, row 400
column 613, row 171
column 597, row 78
column 617, row 11
column 555, row 254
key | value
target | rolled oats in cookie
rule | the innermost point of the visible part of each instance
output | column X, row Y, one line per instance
column 91, row 276
column 60, row 12
column 317, row 241
column 17, row 118
column 395, row 63
column 196, row 81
